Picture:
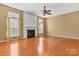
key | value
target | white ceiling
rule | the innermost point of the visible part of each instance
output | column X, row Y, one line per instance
column 36, row 8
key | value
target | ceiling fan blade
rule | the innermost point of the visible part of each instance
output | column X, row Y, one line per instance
column 44, row 11
column 49, row 11
column 44, row 7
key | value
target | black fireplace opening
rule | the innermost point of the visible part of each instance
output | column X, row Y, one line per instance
column 30, row 33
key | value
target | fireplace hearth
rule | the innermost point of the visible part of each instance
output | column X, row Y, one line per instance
column 30, row 33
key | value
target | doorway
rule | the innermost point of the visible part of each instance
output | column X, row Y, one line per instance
column 40, row 26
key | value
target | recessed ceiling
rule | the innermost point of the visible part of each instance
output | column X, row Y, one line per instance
column 36, row 8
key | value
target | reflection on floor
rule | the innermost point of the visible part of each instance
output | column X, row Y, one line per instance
column 41, row 46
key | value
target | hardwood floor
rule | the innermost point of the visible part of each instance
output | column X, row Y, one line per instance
column 41, row 46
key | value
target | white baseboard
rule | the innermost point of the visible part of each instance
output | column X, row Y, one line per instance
column 63, row 36
column 4, row 40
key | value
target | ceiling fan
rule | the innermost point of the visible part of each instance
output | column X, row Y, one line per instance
column 45, row 11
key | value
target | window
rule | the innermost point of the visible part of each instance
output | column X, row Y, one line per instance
column 13, row 24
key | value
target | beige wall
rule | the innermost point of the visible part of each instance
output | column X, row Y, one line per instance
column 66, row 25
column 3, row 19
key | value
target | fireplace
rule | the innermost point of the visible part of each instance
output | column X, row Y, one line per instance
column 30, row 33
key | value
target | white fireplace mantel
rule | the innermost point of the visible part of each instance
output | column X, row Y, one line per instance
column 30, row 22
